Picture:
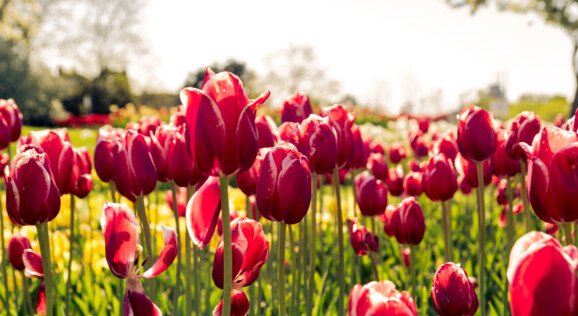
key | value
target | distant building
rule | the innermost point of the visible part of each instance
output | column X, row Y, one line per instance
column 498, row 104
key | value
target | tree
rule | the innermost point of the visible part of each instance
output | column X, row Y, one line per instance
column 239, row 68
column 561, row 13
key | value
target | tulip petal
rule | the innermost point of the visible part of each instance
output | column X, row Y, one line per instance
column 41, row 299
column 563, row 184
column 120, row 230
column 247, row 139
column 239, row 305
column 32, row 264
column 136, row 303
column 141, row 164
column 168, row 253
column 203, row 212
column 293, row 189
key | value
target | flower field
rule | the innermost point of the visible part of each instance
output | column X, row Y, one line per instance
column 323, row 216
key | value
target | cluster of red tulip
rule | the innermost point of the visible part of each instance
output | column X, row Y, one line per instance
column 216, row 134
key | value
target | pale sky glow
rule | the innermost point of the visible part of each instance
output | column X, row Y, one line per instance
column 371, row 47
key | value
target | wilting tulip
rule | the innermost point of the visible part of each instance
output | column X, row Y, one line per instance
column 341, row 120
column 362, row 240
column 120, row 230
column 10, row 112
column 239, row 304
column 16, row 246
column 203, row 212
column 370, row 194
column 542, row 276
column 380, row 298
column 440, row 181
column 390, row 219
column 221, row 131
column 552, row 175
column 319, row 143
column 148, row 125
column 501, row 163
column 296, row 108
column 360, row 153
column 266, row 131
column 396, row 153
column 283, row 191
column 83, row 166
column 523, row 129
column 134, row 171
column 412, row 184
column 181, row 168
column 469, row 171
column 181, row 201
column 446, row 145
column 247, row 180
column 29, row 201
column 452, row 293
column 476, row 137
column 160, row 141
column 394, row 180
column 378, row 166
column 104, row 152
column 410, row 224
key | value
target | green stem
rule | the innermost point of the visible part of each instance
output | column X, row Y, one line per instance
column 341, row 271
column 174, row 190
column 253, row 301
column 295, row 278
column 527, row 210
column 6, row 297
column 227, row 251
column 196, row 269
column 567, row 229
column 281, row 269
column 71, row 243
column 481, row 238
column 448, row 251
column 42, row 231
column 312, row 245
column 510, row 240
column 373, row 257
column 140, row 206
column 27, row 293
column 412, row 268
column 120, row 294
column 112, row 188
column 188, row 266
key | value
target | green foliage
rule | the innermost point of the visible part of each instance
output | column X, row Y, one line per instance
column 546, row 107
column 110, row 87
column 239, row 68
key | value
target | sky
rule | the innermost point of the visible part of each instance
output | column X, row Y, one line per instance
column 384, row 51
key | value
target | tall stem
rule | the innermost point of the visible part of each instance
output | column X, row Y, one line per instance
column 27, row 293
column 481, row 238
column 527, row 211
column 373, row 257
column 174, row 190
column 412, row 268
column 4, row 273
column 446, row 228
column 253, row 301
column 146, row 227
column 112, row 188
column 341, row 272
column 71, row 243
column 227, row 251
column 295, row 278
column 312, row 245
column 567, row 229
column 42, row 231
column 510, row 239
column 188, row 282
column 281, row 269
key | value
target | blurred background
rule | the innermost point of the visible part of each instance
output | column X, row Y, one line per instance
column 93, row 62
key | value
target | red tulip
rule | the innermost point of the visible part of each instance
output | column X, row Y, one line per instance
column 247, row 180
column 362, row 240
column 250, row 252
column 377, row 148
column 181, row 201
column 10, row 112
column 476, row 137
column 341, row 120
column 469, row 171
column 120, row 230
column 4, row 161
column 360, row 154
column 542, row 277
column 289, row 132
column 464, row 186
column 41, row 299
column 28, row 200
column 412, row 184
column 440, row 181
column 370, row 194
column 410, row 226
column 502, row 165
column 396, row 153
column 419, row 145
column 16, row 246
column 148, row 125
column 181, row 168
column 378, row 166
column 394, row 180
column 160, row 142
column 296, row 108
column 552, row 176
column 134, row 171
column 4, row 133
column 390, row 219
column 179, row 118
column 203, row 212
column 232, row 215
column 380, row 298
column 518, row 208
column 239, row 304
column 406, row 254
column 283, row 191
column 104, row 152
column 32, row 264
column 266, row 131
column 221, row 131
column 501, row 192
column 83, row 166
column 319, row 143
column 446, row 145
column 452, row 293
column 414, row 165
column 523, row 129
column 423, row 124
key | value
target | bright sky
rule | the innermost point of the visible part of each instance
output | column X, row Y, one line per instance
column 379, row 50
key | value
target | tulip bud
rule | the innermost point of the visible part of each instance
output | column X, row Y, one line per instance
column 380, row 298
column 414, row 165
column 289, row 132
column 476, row 137
column 28, row 200
column 501, row 192
column 419, row 145
column 464, row 186
column 390, row 220
column 159, row 148
column 10, row 112
column 440, row 181
column 247, row 180
column 406, row 254
column 370, row 194
column 377, row 148
column 4, row 133
column 452, row 293
column 341, row 121
column 319, row 143
column 83, row 168
column 103, row 152
column 360, row 154
column 501, row 163
column 181, row 168
column 394, row 180
column 412, row 184
column 148, row 125
column 378, row 166
column 469, row 171
column 523, row 129
column 16, row 246
column 410, row 226
column 396, row 153
column 446, row 145
column 551, row 229
column 239, row 305
column 284, row 187
column 296, row 108
column 266, row 131
column 181, row 201
column 362, row 240
column 423, row 124
column 179, row 118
